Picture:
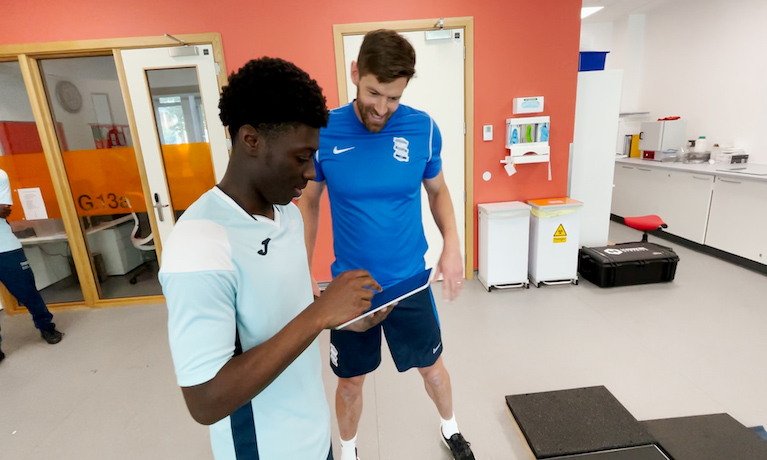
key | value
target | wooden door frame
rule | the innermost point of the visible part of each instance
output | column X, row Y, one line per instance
column 467, row 24
column 28, row 56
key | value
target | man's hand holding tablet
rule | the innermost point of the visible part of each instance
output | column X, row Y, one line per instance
column 382, row 302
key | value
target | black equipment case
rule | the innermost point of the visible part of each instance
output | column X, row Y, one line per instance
column 627, row 264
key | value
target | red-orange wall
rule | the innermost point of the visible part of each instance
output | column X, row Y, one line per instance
column 521, row 48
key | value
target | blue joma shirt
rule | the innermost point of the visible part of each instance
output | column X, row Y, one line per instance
column 374, row 184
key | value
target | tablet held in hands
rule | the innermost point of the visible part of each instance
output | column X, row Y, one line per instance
column 395, row 293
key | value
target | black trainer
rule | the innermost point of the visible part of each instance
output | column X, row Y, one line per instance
column 460, row 447
column 2, row 356
column 52, row 336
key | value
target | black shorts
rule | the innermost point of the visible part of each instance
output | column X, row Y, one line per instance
column 412, row 332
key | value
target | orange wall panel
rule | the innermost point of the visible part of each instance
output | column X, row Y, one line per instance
column 29, row 170
column 107, row 181
column 189, row 171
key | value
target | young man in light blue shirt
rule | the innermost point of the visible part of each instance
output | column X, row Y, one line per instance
column 242, row 321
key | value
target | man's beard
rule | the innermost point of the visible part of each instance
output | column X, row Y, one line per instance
column 365, row 114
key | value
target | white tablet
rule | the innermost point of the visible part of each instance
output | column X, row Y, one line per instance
column 395, row 293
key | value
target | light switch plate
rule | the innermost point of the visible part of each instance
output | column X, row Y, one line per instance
column 487, row 133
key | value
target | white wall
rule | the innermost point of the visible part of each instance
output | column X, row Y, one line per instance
column 596, row 36
column 706, row 60
column 76, row 125
column 14, row 102
column 703, row 60
column 92, row 75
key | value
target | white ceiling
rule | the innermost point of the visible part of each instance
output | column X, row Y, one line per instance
column 615, row 9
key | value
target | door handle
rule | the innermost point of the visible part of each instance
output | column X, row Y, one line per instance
column 158, row 206
column 700, row 178
column 644, row 169
column 729, row 181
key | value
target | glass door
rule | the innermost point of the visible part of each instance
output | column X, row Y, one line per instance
column 174, row 94
column 35, row 219
column 97, row 147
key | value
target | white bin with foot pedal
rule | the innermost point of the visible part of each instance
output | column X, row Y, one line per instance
column 504, row 234
column 554, row 240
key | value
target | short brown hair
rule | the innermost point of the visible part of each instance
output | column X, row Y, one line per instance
column 387, row 55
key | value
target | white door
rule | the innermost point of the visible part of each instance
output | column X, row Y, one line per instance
column 183, row 142
column 438, row 89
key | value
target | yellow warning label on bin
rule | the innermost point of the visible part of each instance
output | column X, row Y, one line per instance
column 560, row 236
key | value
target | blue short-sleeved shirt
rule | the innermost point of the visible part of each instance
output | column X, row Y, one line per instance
column 225, row 271
column 374, row 184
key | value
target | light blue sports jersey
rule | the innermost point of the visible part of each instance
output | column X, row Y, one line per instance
column 8, row 241
column 222, row 268
column 374, row 185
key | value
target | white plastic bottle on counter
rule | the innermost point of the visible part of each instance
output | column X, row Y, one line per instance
column 716, row 153
column 701, row 145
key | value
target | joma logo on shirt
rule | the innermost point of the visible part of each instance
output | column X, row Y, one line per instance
column 401, row 152
column 266, row 246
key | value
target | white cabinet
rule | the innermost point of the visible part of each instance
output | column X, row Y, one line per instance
column 625, row 188
column 49, row 262
column 685, row 204
column 727, row 213
column 680, row 198
column 637, row 190
column 738, row 218
column 114, row 244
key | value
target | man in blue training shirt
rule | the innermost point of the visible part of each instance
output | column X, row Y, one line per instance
column 373, row 157
column 242, row 322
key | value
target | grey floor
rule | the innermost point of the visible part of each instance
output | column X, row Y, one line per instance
column 114, row 287
column 694, row 346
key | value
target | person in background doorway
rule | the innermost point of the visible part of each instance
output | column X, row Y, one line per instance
column 16, row 274
column 373, row 157
column 242, row 321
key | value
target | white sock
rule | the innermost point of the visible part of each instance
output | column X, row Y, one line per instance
column 349, row 449
column 449, row 427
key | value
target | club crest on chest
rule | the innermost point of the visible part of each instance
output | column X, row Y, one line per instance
column 401, row 152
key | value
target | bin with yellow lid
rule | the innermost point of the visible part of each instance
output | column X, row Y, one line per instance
column 554, row 239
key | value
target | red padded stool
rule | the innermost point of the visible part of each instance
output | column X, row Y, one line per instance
column 645, row 224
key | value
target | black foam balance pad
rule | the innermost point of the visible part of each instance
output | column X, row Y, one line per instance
column 577, row 421
column 707, row 437
column 630, row 453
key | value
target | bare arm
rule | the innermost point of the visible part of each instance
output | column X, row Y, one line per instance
column 450, row 262
column 309, row 204
column 245, row 376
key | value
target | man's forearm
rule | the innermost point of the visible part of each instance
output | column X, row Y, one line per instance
column 311, row 216
column 444, row 216
column 309, row 205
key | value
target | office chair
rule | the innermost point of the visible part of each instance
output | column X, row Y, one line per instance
column 142, row 244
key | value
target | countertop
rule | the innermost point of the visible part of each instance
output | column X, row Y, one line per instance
column 699, row 168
